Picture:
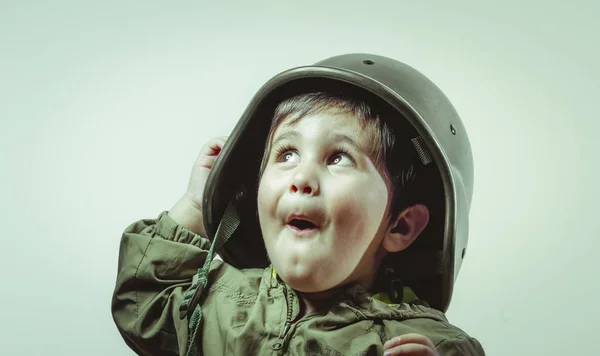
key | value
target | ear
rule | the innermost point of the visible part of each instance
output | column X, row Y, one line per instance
column 405, row 229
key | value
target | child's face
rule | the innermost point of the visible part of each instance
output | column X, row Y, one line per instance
column 308, row 174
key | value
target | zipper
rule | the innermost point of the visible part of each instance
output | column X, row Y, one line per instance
column 278, row 345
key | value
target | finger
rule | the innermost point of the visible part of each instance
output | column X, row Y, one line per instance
column 211, row 149
column 411, row 350
column 408, row 339
column 220, row 140
column 209, row 152
column 214, row 146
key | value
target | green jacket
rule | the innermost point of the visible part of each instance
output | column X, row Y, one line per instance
column 248, row 312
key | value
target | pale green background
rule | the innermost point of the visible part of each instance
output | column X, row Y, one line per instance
column 105, row 104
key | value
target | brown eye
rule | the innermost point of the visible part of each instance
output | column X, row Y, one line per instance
column 342, row 159
column 289, row 156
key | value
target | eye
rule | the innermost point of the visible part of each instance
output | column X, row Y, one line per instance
column 287, row 154
column 290, row 156
column 342, row 159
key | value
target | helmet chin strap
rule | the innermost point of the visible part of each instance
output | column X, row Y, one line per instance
column 190, row 306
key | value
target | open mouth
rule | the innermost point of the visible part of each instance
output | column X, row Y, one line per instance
column 301, row 224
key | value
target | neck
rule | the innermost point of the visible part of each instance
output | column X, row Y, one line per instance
column 315, row 300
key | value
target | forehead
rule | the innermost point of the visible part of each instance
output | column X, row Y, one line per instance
column 323, row 124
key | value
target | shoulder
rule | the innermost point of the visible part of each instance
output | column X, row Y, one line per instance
column 449, row 339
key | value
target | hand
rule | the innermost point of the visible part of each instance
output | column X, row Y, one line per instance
column 188, row 210
column 410, row 344
column 204, row 162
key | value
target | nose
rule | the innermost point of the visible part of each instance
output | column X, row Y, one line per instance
column 305, row 180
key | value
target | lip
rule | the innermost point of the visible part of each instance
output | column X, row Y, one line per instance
column 302, row 232
column 301, row 217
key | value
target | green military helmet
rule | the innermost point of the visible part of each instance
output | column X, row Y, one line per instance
column 440, row 141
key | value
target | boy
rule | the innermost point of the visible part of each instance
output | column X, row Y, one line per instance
column 339, row 236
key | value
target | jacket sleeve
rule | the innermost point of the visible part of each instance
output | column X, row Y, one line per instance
column 157, row 262
column 460, row 346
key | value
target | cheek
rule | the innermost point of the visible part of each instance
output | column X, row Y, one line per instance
column 263, row 198
column 269, row 191
column 359, row 208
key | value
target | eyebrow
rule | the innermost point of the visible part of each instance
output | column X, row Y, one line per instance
column 287, row 135
column 336, row 137
column 348, row 140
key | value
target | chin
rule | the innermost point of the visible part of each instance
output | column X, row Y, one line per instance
column 305, row 280
column 308, row 287
column 305, row 286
